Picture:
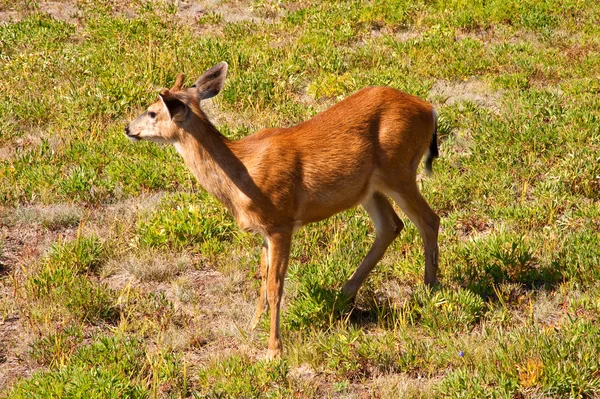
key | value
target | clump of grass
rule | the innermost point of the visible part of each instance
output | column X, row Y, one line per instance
column 82, row 255
column 488, row 264
column 548, row 361
column 449, row 309
column 351, row 351
column 348, row 353
column 187, row 221
column 241, row 376
column 52, row 217
column 149, row 266
column 63, row 280
column 210, row 18
column 55, row 349
column 147, row 315
column 108, row 367
column 319, row 300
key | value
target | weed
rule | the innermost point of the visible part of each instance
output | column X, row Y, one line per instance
column 109, row 367
column 258, row 379
column 187, row 221
column 61, row 280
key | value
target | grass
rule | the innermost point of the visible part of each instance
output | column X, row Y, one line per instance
column 119, row 277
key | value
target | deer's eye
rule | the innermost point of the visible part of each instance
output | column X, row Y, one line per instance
column 152, row 114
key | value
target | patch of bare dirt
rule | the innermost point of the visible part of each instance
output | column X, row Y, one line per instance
column 12, row 344
column 152, row 266
column 65, row 11
column 486, row 36
column 229, row 11
column 53, row 217
column 407, row 35
column 23, row 240
column 494, row 36
column 27, row 232
column 394, row 292
column 189, row 12
column 22, row 244
column 62, row 10
column 130, row 207
column 209, row 319
column 215, row 306
column 303, row 374
column 473, row 90
column 210, row 15
column 6, row 153
column 10, row 16
column 221, row 307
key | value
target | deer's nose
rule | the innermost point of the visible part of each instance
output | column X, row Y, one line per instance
column 127, row 130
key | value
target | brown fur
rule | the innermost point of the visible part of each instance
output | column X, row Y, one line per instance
column 277, row 180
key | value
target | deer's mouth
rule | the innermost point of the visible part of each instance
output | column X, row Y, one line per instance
column 132, row 137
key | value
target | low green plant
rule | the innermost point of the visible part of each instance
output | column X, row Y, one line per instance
column 449, row 309
column 108, row 367
column 240, row 376
column 63, row 279
column 187, row 221
column 56, row 348
column 549, row 361
column 482, row 266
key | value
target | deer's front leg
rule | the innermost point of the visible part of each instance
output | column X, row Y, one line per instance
column 278, row 254
column 262, row 295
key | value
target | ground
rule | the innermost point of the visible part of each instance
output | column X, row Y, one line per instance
column 120, row 277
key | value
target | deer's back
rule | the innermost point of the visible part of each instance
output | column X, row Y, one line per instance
column 336, row 158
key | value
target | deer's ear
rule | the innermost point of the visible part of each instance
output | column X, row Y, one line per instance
column 174, row 106
column 211, row 82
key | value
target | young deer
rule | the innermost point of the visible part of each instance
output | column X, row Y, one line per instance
column 274, row 181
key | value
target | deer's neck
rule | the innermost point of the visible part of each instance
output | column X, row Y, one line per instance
column 218, row 170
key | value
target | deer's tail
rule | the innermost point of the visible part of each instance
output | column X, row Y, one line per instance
column 433, row 151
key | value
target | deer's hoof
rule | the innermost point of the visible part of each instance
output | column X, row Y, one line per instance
column 273, row 354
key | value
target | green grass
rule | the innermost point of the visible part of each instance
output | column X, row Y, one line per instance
column 108, row 367
column 62, row 289
column 89, row 222
column 239, row 376
column 187, row 221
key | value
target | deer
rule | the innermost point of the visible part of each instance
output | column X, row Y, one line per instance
column 363, row 150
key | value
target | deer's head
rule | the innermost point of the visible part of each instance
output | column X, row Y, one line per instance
column 166, row 118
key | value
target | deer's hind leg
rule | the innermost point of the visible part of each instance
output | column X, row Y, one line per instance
column 412, row 203
column 387, row 227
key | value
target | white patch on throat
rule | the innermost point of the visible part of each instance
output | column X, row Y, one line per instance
column 178, row 147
